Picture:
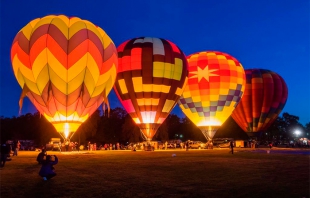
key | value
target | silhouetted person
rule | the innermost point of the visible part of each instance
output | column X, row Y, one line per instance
column 77, row 146
column 187, row 145
column 232, row 146
column 67, row 145
column 41, row 156
column 16, row 146
column 47, row 170
column 5, row 151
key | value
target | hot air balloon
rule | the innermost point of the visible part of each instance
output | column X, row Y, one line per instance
column 215, row 86
column 151, row 77
column 66, row 67
column 264, row 98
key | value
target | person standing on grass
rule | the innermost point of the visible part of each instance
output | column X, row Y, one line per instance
column 47, row 170
column 5, row 151
column 77, row 146
column 187, row 145
column 16, row 147
column 231, row 144
column 67, row 144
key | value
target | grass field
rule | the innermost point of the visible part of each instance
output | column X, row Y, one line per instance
column 194, row 173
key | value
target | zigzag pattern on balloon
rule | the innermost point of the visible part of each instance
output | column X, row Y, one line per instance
column 68, row 65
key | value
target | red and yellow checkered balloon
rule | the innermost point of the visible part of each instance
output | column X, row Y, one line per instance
column 215, row 85
column 264, row 98
column 151, row 77
column 66, row 67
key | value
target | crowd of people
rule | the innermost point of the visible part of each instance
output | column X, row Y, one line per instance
column 94, row 147
column 47, row 162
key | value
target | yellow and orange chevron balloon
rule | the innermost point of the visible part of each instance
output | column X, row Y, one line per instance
column 66, row 67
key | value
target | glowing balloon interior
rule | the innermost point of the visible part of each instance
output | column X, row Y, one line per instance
column 215, row 85
column 264, row 98
column 66, row 67
column 151, row 77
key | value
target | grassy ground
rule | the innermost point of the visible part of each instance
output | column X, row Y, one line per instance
column 195, row 173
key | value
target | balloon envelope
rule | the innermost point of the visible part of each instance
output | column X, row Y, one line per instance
column 151, row 77
column 215, row 85
column 264, row 98
column 66, row 67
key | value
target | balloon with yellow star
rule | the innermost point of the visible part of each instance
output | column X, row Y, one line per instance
column 216, row 83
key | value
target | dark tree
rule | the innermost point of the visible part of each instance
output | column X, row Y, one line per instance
column 110, row 127
column 307, row 130
column 230, row 129
column 291, row 124
column 88, row 130
column 284, row 128
column 172, row 123
column 162, row 133
column 190, row 131
column 27, row 127
column 130, row 131
column 119, row 127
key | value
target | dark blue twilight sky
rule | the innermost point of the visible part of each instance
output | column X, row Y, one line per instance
column 265, row 34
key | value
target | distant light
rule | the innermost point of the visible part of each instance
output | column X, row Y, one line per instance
column 297, row 132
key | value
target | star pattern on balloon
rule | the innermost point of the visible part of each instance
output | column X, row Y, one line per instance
column 203, row 73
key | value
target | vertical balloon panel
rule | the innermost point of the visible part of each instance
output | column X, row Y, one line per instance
column 66, row 67
column 215, row 86
column 151, row 77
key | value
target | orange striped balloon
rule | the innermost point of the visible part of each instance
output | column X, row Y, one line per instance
column 264, row 98
column 66, row 67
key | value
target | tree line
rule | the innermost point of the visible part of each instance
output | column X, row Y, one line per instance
column 119, row 127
